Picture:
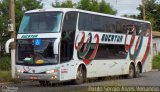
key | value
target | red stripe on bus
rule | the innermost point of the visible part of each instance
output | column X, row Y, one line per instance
column 147, row 50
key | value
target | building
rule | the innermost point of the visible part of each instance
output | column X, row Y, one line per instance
column 156, row 42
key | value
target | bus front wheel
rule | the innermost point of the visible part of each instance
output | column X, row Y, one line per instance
column 81, row 75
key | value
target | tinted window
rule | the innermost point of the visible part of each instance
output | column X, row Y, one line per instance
column 109, row 51
column 40, row 22
column 31, row 52
column 105, row 51
column 68, row 35
column 90, row 22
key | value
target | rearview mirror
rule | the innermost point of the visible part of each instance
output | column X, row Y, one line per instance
column 56, row 46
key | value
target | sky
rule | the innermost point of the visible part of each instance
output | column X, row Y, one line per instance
column 128, row 7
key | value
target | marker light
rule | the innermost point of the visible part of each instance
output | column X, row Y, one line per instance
column 19, row 71
column 52, row 71
column 54, row 77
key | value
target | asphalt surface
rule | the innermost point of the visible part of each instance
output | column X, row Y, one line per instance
column 151, row 80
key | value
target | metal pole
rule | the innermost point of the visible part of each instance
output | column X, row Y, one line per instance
column 13, row 35
column 143, row 10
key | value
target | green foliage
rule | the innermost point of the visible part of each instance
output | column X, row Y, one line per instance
column 106, row 8
column 133, row 16
column 65, row 4
column 57, row 4
column 152, row 12
column 5, row 76
column 5, row 63
column 90, row 5
column 20, row 7
column 96, row 6
column 156, row 62
column 84, row 5
column 4, row 16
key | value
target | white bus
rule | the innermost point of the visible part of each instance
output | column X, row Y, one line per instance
column 61, row 44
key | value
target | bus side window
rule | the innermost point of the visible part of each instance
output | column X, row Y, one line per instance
column 68, row 35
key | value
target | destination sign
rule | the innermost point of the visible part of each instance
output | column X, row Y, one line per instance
column 29, row 36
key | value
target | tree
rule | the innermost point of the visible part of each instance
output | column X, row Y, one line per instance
column 152, row 12
column 106, row 8
column 90, row 5
column 94, row 5
column 20, row 7
column 57, row 4
column 4, row 16
column 65, row 4
column 84, row 5
column 133, row 16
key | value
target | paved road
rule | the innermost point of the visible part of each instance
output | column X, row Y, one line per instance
column 146, row 79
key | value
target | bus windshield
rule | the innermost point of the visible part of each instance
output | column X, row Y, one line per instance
column 36, row 52
column 40, row 22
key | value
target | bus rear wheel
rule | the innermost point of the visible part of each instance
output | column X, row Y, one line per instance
column 137, row 74
column 131, row 71
column 44, row 83
column 81, row 75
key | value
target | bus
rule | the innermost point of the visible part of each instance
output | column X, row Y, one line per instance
column 64, row 44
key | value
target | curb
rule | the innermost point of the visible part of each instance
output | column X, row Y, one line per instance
column 154, row 70
column 6, row 83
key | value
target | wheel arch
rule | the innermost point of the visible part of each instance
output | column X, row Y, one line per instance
column 83, row 67
column 81, row 75
column 133, row 65
column 140, row 65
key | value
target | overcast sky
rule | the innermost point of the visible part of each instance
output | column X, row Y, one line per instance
column 122, row 6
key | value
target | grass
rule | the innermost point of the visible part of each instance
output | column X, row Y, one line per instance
column 156, row 62
column 5, row 63
column 5, row 76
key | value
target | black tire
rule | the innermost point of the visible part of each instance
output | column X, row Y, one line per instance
column 44, row 83
column 131, row 72
column 81, row 76
column 137, row 74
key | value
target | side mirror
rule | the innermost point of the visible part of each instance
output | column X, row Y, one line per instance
column 56, row 46
column 7, row 44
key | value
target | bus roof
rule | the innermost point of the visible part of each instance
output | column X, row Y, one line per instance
column 84, row 11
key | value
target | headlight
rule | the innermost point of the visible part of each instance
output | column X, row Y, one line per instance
column 52, row 71
column 19, row 71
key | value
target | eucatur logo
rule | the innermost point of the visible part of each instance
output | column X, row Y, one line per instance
column 29, row 36
column 83, row 52
column 138, row 45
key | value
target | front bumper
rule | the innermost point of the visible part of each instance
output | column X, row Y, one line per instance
column 45, row 77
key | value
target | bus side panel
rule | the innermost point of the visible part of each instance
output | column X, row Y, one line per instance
column 147, row 65
column 145, row 55
column 69, row 70
column 102, row 68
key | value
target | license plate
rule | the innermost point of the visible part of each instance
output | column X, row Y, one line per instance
column 33, row 78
